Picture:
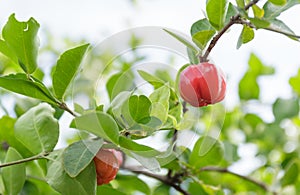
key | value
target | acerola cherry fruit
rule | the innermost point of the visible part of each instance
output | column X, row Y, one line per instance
column 202, row 84
column 107, row 162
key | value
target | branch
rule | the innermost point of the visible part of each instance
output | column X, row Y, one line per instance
column 36, row 157
column 232, row 21
column 161, row 178
column 225, row 170
column 64, row 106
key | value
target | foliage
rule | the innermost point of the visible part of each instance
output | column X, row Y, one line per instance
column 29, row 132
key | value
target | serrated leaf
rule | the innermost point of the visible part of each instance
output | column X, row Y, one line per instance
column 294, row 82
column 206, row 152
column 83, row 184
column 13, row 176
column 160, row 102
column 37, row 129
column 246, row 35
column 66, row 69
column 216, row 10
column 100, row 124
column 19, row 83
column 77, row 156
column 285, row 108
column 182, row 40
column 21, row 38
column 278, row 2
column 272, row 11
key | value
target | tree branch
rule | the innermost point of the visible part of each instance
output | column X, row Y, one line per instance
column 64, row 106
column 36, row 157
column 232, row 21
column 225, row 170
column 161, row 178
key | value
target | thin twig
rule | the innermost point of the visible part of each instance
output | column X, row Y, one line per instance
column 246, row 178
column 160, row 178
column 39, row 156
column 232, row 21
column 284, row 33
column 64, row 106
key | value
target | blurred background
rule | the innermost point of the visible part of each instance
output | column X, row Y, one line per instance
column 65, row 24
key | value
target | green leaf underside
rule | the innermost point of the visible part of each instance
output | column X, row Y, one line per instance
column 78, row 155
column 37, row 129
column 100, row 124
column 21, row 38
column 66, row 69
column 246, row 36
column 272, row 11
column 19, row 83
column 216, row 10
column 5, row 50
column 13, row 176
column 182, row 40
column 83, row 184
column 202, row 32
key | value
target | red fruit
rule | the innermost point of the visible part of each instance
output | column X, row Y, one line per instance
column 107, row 162
column 202, row 84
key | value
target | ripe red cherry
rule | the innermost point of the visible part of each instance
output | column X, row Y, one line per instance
column 107, row 162
column 202, row 84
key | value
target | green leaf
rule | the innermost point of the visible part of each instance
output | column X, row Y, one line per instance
column 240, row 3
column 203, row 37
column 7, row 135
column 202, row 32
column 192, row 56
column 279, row 26
column 160, row 103
column 66, row 69
column 153, row 80
column 291, row 173
column 131, row 184
column 272, row 11
column 106, row 189
column 78, row 155
column 139, row 107
column 13, row 176
column 257, row 67
column 216, row 10
column 246, row 36
column 231, row 11
column 248, row 87
column 100, row 124
column 120, row 82
column 139, row 149
column 29, row 188
column 285, row 108
column 162, row 190
column 294, row 82
column 19, row 83
column 5, row 50
column 188, row 120
column 260, row 22
column 182, row 40
column 207, row 152
column 37, row 129
column 258, row 12
column 21, row 38
column 83, row 184
column 278, row 2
